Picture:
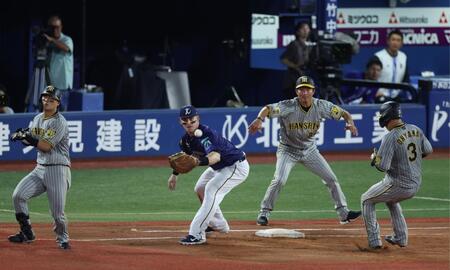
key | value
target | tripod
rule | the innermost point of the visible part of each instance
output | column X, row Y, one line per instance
column 40, row 78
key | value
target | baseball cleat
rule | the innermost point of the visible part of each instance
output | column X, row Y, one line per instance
column 64, row 245
column 351, row 216
column 263, row 218
column 393, row 241
column 20, row 237
column 192, row 240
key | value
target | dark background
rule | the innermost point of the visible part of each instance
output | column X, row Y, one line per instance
column 208, row 39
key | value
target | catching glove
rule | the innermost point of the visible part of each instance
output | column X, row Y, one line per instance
column 182, row 162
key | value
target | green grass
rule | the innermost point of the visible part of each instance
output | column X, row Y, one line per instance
column 141, row 194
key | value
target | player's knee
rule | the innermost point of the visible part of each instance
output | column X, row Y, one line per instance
column 279, row 181
column 17, row 197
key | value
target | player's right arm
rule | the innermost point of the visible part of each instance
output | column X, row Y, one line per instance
column 256, row 125
column 272, row 111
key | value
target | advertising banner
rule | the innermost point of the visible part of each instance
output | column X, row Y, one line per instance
column 157, row 132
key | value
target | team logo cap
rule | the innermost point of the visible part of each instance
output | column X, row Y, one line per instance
column 188, row 111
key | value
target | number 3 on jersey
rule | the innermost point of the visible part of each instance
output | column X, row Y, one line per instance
column 412, row 154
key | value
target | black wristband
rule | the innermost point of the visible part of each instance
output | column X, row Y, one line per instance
column 175, row 172
column 260, row 118
column 204, row 161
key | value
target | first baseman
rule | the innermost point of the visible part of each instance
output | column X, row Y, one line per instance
column 300, row 119
column 400, row 156
column 50, row 135
column 227, row 168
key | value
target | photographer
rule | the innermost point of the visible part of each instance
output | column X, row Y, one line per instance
column 61, row 58
column 296, row 58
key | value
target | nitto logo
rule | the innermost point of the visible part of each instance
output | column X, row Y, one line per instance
column 238, row 130
column 420, row 38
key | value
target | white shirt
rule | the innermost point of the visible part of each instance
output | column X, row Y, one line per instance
column 393, row 70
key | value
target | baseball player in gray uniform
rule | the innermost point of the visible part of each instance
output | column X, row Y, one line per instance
column 400, row 156
column 300, row 119
column 50, row 135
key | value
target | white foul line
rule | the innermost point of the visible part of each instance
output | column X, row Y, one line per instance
column 432, row 199
column 302, row 229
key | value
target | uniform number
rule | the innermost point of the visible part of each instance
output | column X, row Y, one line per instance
column 412, row 154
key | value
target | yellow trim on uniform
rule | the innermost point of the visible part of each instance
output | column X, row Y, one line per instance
column 304, row 85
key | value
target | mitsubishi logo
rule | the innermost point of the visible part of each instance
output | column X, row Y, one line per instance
column 237, row 133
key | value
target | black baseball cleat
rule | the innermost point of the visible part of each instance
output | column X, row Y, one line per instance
column 20, row 237
column 64, row 245
column 351, row 215
column 263, row 218
column 192, row 240
column 393, row 241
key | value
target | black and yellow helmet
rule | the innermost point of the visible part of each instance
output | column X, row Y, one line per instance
column 52, row 92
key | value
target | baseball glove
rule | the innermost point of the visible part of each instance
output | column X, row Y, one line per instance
column 24, row 136
column 182, row 162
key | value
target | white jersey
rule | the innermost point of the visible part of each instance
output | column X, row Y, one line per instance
column 55, row 131
column 400, row 155
column 393, row 71
column 297, row 126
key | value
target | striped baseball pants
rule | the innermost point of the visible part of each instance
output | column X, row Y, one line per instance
column 55, row 180
column 314, row 162
column 392, row 195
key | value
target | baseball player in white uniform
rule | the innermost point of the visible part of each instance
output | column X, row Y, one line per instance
column 400, row 156
column 300, row 119
column 227, row 168
column 49, row 133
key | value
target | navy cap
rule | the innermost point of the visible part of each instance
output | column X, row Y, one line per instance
column 188, row 111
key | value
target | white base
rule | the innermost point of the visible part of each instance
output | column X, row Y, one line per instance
column 278, row 232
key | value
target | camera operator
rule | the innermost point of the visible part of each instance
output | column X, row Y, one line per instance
column 296, row 58
column 61, row 58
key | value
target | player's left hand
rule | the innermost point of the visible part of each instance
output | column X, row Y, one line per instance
column 172, row 182
column 352, row 129
column 373, row 157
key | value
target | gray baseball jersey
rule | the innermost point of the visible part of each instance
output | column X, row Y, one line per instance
column 400, row 156
column 297, row 144
column 55, row 131
column 298, row 127
column 52, row 173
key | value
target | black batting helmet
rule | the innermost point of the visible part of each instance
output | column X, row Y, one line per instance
column 52, row 92
column 388, row 111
